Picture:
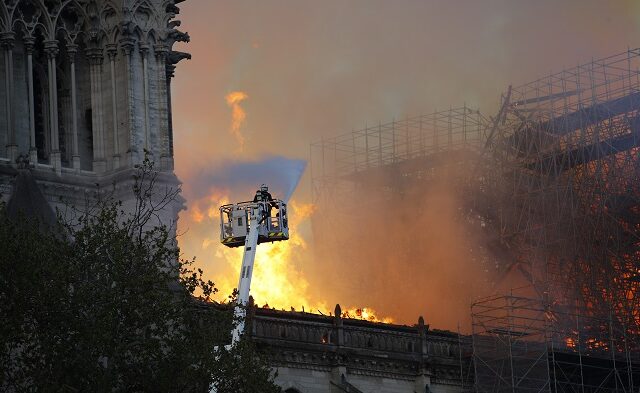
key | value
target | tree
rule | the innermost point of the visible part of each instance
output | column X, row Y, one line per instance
column 103, row 302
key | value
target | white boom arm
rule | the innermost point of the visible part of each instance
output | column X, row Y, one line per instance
column 248, row 224
column 250, row 245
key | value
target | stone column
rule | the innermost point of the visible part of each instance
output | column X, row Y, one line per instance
column 51, row 49
column 65, row 125
column 339, row 368
column 423, row 378
column 170, row 73
column 127, row 46
column 338, row 326
column 7, row 41
column 97, row 124
column 144, row 51
column 163, row 122
column 112, row 52
column 33, row 150
column 72, row 49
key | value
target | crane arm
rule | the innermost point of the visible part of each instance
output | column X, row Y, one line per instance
column 246, row 271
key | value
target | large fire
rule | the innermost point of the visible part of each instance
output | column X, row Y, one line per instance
column 278, row 281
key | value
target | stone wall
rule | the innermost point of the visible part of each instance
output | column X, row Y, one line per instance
column 314, row 353
column 84, row 84
column 84, row 92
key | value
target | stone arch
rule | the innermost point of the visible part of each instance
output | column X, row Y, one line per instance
column 113, row 35
column 388, row 342
column 395, row 344
column 108, row 6
column 27, row 27
column 144, row 14
column 361, row 340
column 370, row 342
column 138, row 4
column 47, row 26
column 44, row 24
column 139, row 34
column 151, row 37
column 409, row 346
column 259, row 329
column 4, row 16
column 273, row 331
column 109, row 17
column 325, row 336
column 76, row 4
column 78, row 8
column 293, row 333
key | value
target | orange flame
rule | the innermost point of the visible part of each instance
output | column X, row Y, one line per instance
column 365, row 313
column 278, row 281
column 276, row 278
column 571, row 343
column 238, row 115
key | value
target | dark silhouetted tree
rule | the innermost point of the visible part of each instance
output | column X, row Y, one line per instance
column 102, row 302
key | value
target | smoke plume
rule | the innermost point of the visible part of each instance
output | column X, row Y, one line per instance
column 404, row 247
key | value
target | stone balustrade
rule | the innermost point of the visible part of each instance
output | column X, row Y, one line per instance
column 335, row 346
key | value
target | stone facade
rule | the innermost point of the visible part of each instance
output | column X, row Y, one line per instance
column 329, row 354
column 85, row 92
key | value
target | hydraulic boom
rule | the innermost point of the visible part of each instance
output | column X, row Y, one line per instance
column 248, row 224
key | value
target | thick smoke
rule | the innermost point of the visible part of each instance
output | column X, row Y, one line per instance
column 412, row 248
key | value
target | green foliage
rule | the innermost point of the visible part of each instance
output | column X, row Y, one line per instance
column 104, row 303
column 243, row 360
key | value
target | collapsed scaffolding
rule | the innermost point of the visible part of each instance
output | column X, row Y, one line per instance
column 566, row 150
column 556, row 177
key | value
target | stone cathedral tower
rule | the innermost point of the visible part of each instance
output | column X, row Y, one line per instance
column 84, row 92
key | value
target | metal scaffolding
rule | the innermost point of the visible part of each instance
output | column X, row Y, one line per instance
column 527, row 345
column 565, row 187
column 555, row 176
column 566, row 152
column 399, row 149
column 388, row 164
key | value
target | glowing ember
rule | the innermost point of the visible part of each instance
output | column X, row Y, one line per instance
column 571, row 343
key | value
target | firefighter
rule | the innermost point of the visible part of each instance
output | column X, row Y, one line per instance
column 263, row 195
